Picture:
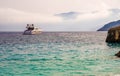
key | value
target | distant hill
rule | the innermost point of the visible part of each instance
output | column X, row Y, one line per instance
column 106, row 27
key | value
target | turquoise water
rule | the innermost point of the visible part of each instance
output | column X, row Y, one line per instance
column 58, row 54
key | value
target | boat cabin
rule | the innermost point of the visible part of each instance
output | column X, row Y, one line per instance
column 30, row 26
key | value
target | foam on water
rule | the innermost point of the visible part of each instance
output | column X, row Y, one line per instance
column 58, row 54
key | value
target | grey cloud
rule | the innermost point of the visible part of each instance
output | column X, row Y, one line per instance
column 68, row 15
column 115, row 10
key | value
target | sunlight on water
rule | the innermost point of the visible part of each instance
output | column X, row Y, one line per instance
column 58, row 54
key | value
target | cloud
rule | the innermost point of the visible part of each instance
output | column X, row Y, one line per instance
column 57, row 6
column 95, row 15
column 84, row 16
column 65, row 21
column 9, row 15
column 68, row 15
column 115, row 10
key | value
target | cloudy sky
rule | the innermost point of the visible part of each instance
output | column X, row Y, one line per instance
column 58, row 15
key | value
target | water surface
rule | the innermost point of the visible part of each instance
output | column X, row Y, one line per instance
column 58, row 54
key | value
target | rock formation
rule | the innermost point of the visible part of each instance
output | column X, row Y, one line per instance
column 113, row 34
column 118, row 54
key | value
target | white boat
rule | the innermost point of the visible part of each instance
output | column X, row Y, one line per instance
column 31, row 30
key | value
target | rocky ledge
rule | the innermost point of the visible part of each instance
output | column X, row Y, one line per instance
column 113, row 34
column 118, row 54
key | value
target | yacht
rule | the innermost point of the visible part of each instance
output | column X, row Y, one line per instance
column 31, row 30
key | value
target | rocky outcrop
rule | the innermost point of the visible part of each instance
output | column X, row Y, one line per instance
column 118, row 54
column 113, row 34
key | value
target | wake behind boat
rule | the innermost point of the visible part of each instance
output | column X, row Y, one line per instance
column 31, row 30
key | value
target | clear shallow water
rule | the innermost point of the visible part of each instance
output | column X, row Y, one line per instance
column 58, row 54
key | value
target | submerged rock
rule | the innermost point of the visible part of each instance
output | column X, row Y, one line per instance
column 113, row 34
column 118, row 54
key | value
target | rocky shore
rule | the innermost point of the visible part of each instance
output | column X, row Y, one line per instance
column 113, row 34
column 118, row 54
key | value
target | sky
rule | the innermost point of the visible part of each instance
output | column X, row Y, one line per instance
column 58, row 15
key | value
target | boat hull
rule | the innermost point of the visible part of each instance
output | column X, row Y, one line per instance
column 31, row 32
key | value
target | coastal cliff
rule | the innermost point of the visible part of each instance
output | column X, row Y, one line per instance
column 113, row 34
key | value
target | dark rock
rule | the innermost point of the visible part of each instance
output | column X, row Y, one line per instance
column 118, row 54
column 113, row 34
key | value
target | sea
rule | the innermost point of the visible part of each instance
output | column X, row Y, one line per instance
column 58, row 54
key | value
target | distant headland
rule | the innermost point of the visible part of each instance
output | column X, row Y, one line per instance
column 107, row 26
